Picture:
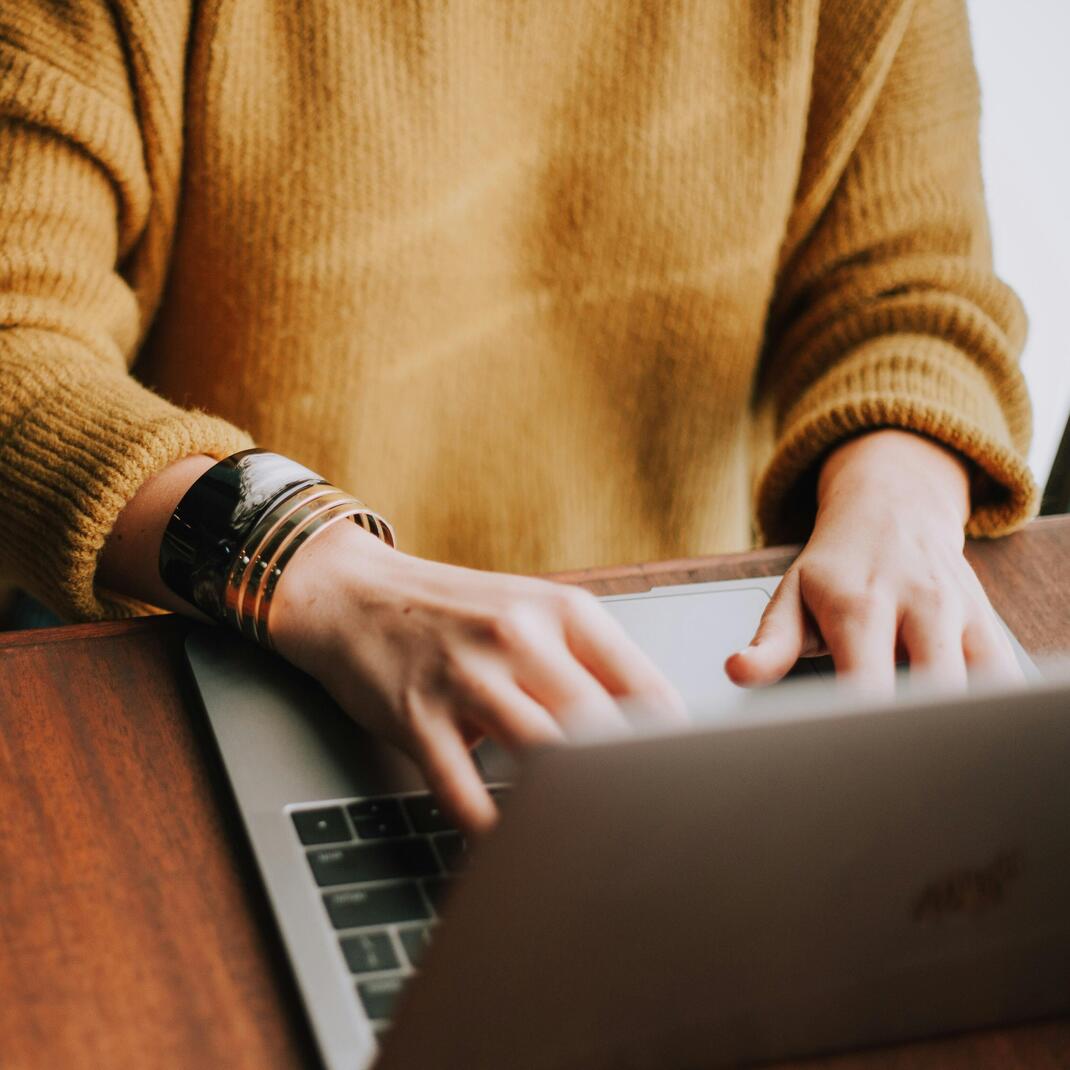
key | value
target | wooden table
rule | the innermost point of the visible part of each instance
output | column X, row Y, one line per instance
column 133, row 930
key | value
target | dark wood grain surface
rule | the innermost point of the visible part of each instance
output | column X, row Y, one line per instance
column 133, row 931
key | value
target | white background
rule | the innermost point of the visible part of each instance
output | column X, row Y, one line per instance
column 1020, row 47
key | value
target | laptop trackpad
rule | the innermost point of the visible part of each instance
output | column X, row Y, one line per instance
column 689, row 634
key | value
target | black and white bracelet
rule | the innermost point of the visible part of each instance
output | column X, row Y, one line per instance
column 237, row 527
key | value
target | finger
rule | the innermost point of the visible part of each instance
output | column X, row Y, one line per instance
column 577, row 701
column 782, row 637
column 452, row 776
column 860, row 632
column 933, row 645
column 507, row 714
column 987, row 649
column 985, row 645
column 605, row 649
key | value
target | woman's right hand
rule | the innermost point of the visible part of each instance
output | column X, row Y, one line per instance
column 434, row 657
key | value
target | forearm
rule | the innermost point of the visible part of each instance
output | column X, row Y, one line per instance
column 889, row 313
column 79, row 434
column 129, row 563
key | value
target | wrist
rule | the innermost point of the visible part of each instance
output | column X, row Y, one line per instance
column 898, row 468
column 323, row 588
column 129, row 561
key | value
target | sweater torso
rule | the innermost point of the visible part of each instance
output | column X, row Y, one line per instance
column 550, row 284
column 484, row 263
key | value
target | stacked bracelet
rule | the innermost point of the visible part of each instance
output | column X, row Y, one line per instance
column 238, row 527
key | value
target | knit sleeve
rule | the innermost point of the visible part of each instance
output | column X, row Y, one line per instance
column 887, row 312
column 78, row 434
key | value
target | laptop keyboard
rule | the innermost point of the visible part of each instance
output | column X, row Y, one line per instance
column 382, row 866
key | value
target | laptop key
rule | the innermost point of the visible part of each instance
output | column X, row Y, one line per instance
column 369, row 951
column 372, row 862
column 452, row 849
column 426, row 815
column 321, row 826
column 415, row 941
column 380, row 828
column 375, row 819
column 384, row 806
column 381, row 905
column 380, row 995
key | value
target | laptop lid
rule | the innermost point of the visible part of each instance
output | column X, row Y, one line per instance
column 748, row 892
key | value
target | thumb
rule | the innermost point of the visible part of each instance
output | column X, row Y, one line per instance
column 781, row 638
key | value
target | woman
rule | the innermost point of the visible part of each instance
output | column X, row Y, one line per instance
column 549, row 285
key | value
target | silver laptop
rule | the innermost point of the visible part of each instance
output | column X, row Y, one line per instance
column 787, row 875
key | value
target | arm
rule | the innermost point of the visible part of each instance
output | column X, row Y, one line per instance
column 93, row 463
column 431, row 656
column 84, row 223
column 889, row 317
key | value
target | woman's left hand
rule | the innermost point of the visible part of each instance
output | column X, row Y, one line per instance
column 883, row 577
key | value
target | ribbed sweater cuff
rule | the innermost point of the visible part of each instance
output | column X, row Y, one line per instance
column 915, row 382
column 88, row 438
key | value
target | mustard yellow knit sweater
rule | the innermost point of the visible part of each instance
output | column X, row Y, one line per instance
column 550, row 283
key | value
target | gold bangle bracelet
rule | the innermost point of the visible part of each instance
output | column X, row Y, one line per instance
column 275, row 556
column 249, row 561
column 265, row 596
column 287, row 525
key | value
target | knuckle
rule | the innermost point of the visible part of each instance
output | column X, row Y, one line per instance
column 932, row 598
column 813, row 573
column 515, row 627
column 580, row 597
column 570, row 601
column 856, row 604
